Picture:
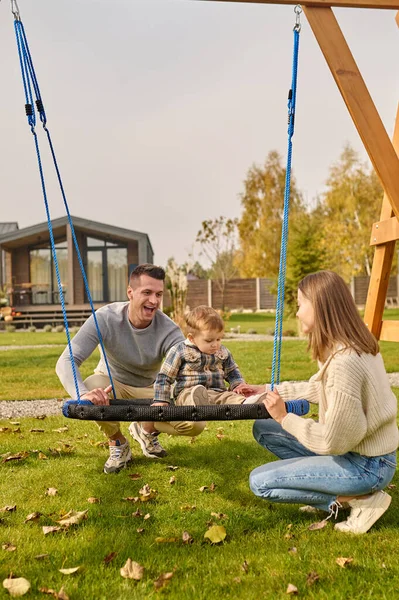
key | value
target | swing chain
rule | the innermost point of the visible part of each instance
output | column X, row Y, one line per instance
column 297, row 11
column 15, row 10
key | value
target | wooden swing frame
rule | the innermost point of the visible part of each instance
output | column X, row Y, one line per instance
column 383, row 153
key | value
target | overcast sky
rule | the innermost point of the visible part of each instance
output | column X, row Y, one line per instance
column 158, row 108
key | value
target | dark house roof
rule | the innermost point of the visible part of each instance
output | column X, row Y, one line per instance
column 8, row 227
column 15, row 237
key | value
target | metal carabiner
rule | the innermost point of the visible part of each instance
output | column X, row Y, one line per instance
column 15, row 10
column 297, row 11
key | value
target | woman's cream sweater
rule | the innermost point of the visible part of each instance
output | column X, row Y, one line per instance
column 357, row 408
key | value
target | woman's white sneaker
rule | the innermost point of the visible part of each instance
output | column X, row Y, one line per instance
column 119, row 457
column 364, row 513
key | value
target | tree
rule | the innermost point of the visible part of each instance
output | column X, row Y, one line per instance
column 218, row 239
column 349, row 207
column 176, row 283
column 260, row 224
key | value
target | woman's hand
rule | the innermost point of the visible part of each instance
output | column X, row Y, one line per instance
column 245, row 389
column 275, row 406
column 98, row 396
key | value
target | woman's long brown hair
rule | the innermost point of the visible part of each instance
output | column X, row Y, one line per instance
column 336, row 318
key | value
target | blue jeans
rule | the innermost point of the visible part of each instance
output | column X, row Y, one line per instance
column 303, row 477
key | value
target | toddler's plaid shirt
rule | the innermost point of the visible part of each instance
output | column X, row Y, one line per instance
column 186, row 365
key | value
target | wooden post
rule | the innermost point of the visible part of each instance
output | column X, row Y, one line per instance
column 70, row 255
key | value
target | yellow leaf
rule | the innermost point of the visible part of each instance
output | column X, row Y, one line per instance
column 9, row 547
column 162, row 540
column 172, row 480
column 186, row 537
column 69, row 571
column 9, row 508
column 42, row 456
column 51, row 492
column 16, row 587
column 73, row 517
column 132, row 570
column 35, row 516
column 93, row 500
column 163, row 580
column 50, row 529
column 292, row 589
column 215, row 534
column 342, row 561
column 61, row 429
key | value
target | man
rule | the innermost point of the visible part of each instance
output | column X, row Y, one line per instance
column 136, row 336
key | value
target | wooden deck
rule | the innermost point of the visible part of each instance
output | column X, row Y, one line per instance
column 41, row 315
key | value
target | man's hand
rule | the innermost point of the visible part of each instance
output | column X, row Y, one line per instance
column 98, row 396
column 160, row 404
column 245, row 389
column 275, row 406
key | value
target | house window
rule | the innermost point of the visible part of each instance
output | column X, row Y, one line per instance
column 106, row 270
column 43, row 276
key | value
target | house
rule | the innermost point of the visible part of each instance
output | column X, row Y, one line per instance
column 108, row 254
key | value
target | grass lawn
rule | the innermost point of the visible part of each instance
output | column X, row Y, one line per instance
column 266, row 547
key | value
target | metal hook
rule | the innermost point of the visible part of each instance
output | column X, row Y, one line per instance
column 15, row 10
column 297, row 11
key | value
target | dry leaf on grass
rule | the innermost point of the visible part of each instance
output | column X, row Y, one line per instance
column 51, row 529
column 70, row 571
column 35, row 516
column 312, row 578
column 93, row 500
column 186, row 537
column 343, row 561
column 237, row 579
column 131, row 499
column 146, row 493
column 15, row 423
column 292, row 550
column 187, row 507
column 215, row 534
column 41, row 417
column 73, row 517
column 61, row 429
column 61, row 595
column 42, row 456
column 291, row 589
column 220, row 436
column 41, row 556
column 146, row 517
column 5, row 429
column 36, row 430
column 163, row 580
column 18, row 456
column 134, row 476
column 203, row 488
column 163, row 540
column 140, row 530
column 219, row 515
column 245, row 566
column 9, row 547
column 319, row 525
column 16, row 587
column 132, row 570
column 172, row 480
column 171, row 468
column 51, row 492
column 9, row 508
column 137, row 513
column 109, row 558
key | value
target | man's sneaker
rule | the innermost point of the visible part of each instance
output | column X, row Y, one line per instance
column 364, row 513
column 119, row 456
column 198, row 396
column 148, row 441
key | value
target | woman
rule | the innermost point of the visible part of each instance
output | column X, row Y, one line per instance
column 348, row 456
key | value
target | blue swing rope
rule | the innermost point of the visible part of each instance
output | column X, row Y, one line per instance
column 278, row 330
column 29, row 80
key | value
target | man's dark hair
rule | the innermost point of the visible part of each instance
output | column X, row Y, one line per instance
column 147, row 269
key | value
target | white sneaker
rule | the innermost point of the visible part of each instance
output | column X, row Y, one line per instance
column 364, row 513
column 119, row 457
column 149, row 442
column 198, row 396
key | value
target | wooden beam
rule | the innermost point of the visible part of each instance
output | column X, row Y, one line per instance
column 390, row 331
column 384, row 4
column 382, row 263
column 357, row 99
column 385, row 231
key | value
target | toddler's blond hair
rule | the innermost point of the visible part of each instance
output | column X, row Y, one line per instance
column 203, row 317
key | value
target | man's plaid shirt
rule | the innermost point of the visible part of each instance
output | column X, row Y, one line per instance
column 186, row 365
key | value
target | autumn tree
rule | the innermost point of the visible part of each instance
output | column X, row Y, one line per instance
column 349, row 207
column 260, row 224
column 218, row 241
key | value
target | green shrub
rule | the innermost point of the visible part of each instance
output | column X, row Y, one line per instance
column 32, row 329
column 58, row 329
column 252, row 331
column 289, row 333
column 47, row 328
column 10, row 328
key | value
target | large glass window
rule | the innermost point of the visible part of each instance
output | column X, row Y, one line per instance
column 106, row 270
column 43, row 276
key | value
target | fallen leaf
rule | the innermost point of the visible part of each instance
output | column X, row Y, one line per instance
column 291, row 589
column 203, row 488
column 5, row 429
column 41, row 556
column 137, row 513
column 134, row 476
column 171, row 468
column 319, row 525
column 51, row 492
column 391, row 486
column 192, row 440
column 110, row 557
column 17, row 587
column 17, row 430
column 9, row 508
column 146, row 493
column 219, row 515
column 162, row 580
column 132, row 570
column 73, row 517
column 292, row 550
column 61, row 429
column 220, row 436
column 187, row 507
column 36, row 430
column 40, row 417
column 146, row 517
column 50, row 529
column 18, row 456
column 93, row 500
column 61, row 595
column 172, row 480
column 15, row 423
column 163, row 540
column 245, row 566
column 237, row 579
column 312, row 578
column 35, row 516
column 70, row 571
column 131, row 499
column 186, row 537
column 212, row 487
column 215, row 534
column 42, row 456
column 343, row 561
column 140, row 530
column 9, row 547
